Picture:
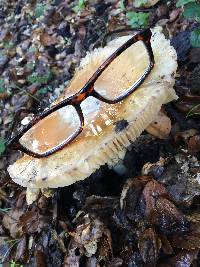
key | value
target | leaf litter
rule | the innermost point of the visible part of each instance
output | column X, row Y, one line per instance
column 148, row 216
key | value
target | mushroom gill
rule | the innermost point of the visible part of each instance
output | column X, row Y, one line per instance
column 109, row 128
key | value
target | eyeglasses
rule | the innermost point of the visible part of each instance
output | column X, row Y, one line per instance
column 44, row 125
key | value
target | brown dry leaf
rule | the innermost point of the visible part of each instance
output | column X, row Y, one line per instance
column 131, row 194
column 97, row 203
column 156, row 168
column 20, row 202
column 4, row 96
column 47, row 40
column 186, row 241
column 21, row 251
column 116, row 262
column 174, row 14
column 10, row 221
column 82, row 32
column 161, row 126
column 189, row 240
column 183, row 259
column 194, row 144
column 160, row 210
column 72, row 257
column 32, row 222
column 4, row 35
column 151, row 192
column 88, row 233
column 194, row 55
column 166, row 246
column 168, row 217
column 104, row 250
column 133, row 187
column 149, row 245
column 39, row 257
column 185, row 135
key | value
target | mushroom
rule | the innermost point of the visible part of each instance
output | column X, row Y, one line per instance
column 109, row 128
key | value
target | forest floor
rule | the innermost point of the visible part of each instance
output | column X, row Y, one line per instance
column 41, row 44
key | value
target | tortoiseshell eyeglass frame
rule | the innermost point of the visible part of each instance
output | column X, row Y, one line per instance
column 86, row 91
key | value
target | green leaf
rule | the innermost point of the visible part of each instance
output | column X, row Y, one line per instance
column 42, row 91
column 121, row 5
column 195, row 38
column 40, row 79
column 140, row 3
column 32, row 49
column 5, row 210
column 2, row 146
column 8, row 44
column 192, row 10
column 30, row 65
column 1, row 82
column 39, row 10
column 137, row 19
column 3, row 90
column 183, row 2
column 2, row 87
column 80, row 6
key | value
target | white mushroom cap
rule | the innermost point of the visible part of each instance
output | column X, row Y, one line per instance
column 109, row 129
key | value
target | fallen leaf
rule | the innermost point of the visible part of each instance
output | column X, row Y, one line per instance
column 151, row 192
column 185, row 241
column 21, row 251
column 88, row 232
column 104, row 250
column 131, row 195
column 92, row 262
column 32, row 222
column 39, row 257
column 168, row 218
column 174, row 14
column 149, row 246
column 10, row 221
column 166, row 246
column 4, row 95
column 182, row 259
column 194, row 144
column 160, row 210
column 188, row 240
column 72, row 256
column 98, row 203
column 5, row 244
column 115, row 262
column 47, row 40
column 194, row 55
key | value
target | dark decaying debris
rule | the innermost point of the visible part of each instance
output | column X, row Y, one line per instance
column 183, row 49
column 149, row 216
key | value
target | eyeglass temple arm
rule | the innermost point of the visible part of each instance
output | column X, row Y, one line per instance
column 144, row 36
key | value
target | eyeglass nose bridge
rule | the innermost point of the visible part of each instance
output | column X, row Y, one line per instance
column 85, row 92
